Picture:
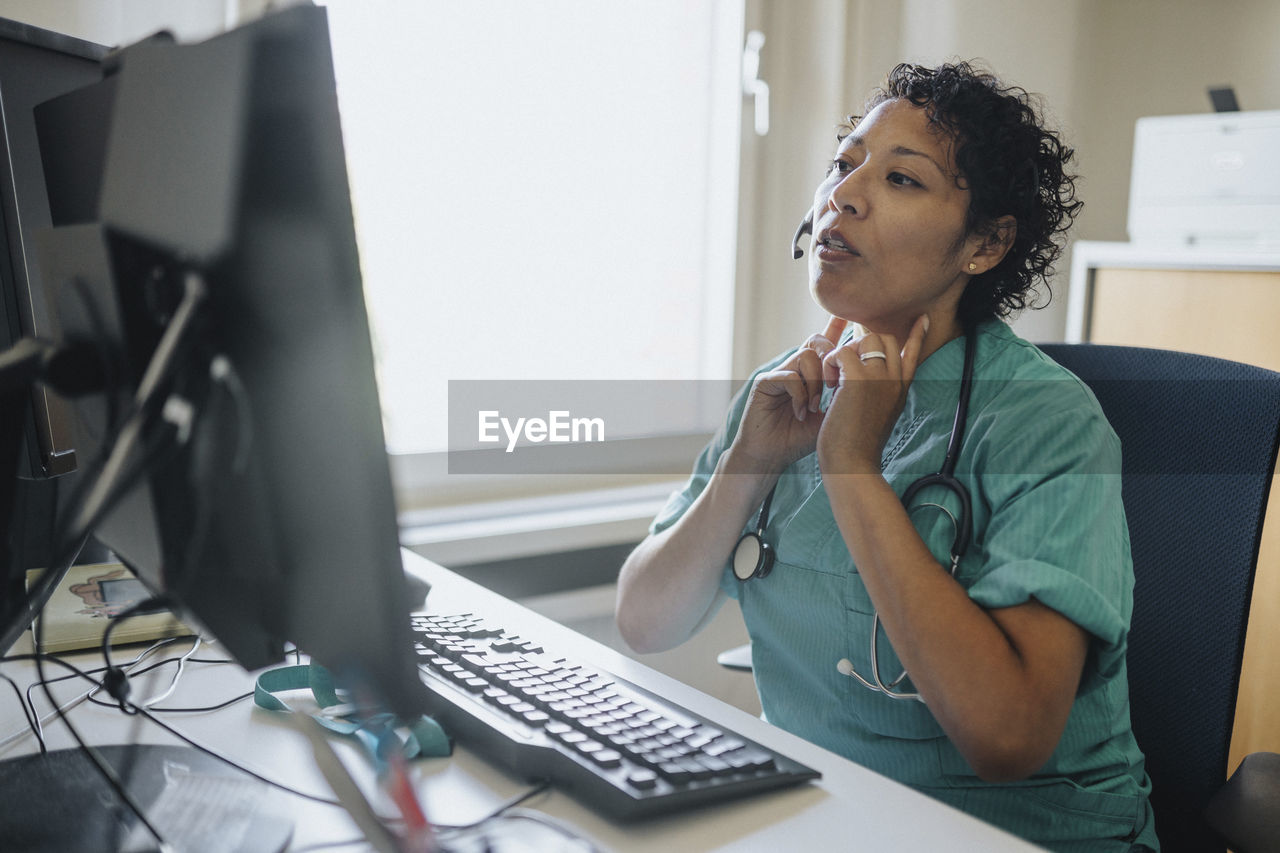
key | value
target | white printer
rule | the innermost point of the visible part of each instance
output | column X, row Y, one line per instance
column 1208, row 180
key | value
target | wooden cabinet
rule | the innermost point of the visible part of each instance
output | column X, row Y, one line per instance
column 1213, row 303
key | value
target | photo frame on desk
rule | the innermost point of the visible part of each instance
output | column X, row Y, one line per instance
column 80, row 609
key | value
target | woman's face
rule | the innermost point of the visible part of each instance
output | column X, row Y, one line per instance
column 888, row 225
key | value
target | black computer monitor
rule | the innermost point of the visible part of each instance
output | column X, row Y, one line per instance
column 37, row 455
column 221, row 286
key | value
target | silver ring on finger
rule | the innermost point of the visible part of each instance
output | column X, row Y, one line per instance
column 875, row 353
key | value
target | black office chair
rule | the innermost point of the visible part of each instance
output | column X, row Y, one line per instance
column 1199, row 438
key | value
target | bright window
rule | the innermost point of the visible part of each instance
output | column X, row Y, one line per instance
column 543, row 190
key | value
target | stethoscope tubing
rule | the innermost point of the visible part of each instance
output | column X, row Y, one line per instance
column 944, row 478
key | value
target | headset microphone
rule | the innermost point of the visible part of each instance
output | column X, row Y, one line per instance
column 805, row 229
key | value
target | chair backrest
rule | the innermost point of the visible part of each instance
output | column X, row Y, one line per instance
column 1198, row 437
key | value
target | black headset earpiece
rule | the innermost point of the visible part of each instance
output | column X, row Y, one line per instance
column 805, row 229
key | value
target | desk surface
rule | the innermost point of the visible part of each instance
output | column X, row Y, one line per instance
column 848, row 802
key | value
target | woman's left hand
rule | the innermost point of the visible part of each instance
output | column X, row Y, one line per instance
column 871, row 376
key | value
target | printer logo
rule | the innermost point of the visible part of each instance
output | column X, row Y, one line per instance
column 1227, row 161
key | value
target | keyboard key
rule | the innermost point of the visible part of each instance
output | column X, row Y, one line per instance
column 643, row 779
column 607, row 758
column 675, row 773
column 749, row 759
column 702, row 737
column 695, row 768
column 723, row 745
column 535, row 718
column 715, row 765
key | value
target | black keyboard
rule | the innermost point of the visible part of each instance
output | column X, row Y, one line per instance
column 616, row 747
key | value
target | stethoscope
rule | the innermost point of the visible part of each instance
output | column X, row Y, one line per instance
column 753, row 557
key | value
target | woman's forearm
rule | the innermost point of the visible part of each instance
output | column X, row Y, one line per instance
column 670, row 582
column 1000, row 683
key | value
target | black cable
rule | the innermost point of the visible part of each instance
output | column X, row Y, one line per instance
column 226, row 704
column 502, row 811
column 212, row 661
column 150, row 667
column 508, row 811
column 104, row 769
column 27, row 712
column 146, row 714
column 91, row 696
column 116, row 680
column 150, row 605
column 330, row 845
column 540, row 786
column 81, row 671
column 154, row 647
column 77, row 672
column 548, row 821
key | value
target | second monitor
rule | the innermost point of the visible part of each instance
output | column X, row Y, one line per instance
column 238, row 445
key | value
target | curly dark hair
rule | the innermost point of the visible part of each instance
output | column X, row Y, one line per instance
column 1012, row 166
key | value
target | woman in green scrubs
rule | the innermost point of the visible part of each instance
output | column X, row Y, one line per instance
column 942, row 208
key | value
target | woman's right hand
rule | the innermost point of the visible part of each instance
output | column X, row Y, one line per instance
column 670, row 584
column 782, row 418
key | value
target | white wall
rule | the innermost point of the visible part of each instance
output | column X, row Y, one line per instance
column 1032, row 44
column 1158, row 57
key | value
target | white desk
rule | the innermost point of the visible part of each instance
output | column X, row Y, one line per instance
column 849, row 806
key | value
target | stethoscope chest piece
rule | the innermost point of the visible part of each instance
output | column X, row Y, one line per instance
column 752, row 557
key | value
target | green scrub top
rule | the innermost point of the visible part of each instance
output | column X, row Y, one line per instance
column 1042, row 466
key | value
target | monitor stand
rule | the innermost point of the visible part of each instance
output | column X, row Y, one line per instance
column 59, row 802
column 28, row 361
column 20, row 366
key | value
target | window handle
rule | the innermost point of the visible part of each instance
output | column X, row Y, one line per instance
column 752, row 86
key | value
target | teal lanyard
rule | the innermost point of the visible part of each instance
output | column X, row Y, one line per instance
column 381, row 734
